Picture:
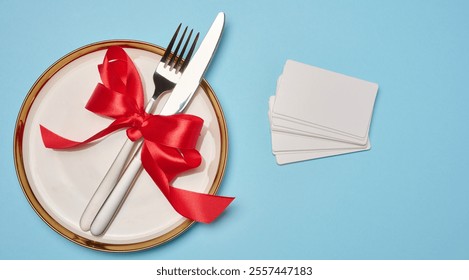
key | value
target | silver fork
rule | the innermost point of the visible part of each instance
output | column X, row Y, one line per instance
column 171, row 67
column 167, row 74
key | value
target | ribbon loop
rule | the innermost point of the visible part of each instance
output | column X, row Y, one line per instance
column 168, row 141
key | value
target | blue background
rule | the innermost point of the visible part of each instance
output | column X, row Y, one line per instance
column 407, row 198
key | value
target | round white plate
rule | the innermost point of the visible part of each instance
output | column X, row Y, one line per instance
column 59, row 184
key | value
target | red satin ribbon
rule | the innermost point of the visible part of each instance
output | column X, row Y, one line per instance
column 168, row 141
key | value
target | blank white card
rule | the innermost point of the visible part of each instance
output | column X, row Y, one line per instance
column 317, row 113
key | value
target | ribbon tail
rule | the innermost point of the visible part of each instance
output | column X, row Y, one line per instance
column 195, row 206
column 54, row 141
column 199, row 207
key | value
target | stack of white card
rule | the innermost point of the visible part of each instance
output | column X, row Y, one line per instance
column 318, row 113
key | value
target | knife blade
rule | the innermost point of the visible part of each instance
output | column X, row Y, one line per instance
column 176, row 103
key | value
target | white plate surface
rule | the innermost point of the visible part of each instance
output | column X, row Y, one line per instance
column 63, row 182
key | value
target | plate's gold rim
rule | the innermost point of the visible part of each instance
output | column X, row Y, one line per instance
column 19, row 160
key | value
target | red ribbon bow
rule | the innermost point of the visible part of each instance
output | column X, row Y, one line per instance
column 168, row 141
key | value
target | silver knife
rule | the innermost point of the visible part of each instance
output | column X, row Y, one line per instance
column 176, row 103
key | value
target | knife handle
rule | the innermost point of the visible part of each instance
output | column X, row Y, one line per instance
column 115, row 200
column 111, row 178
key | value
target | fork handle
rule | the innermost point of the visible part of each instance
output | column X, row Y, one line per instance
column 111, row 178
column 105, row 187
column 115, row 200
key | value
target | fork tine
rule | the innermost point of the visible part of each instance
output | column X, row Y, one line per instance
column 170, row 45
column 175, row 54
column 178, row 62
column 189, row 54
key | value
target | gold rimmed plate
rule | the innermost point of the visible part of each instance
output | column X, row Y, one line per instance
column 59, row 184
